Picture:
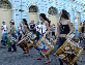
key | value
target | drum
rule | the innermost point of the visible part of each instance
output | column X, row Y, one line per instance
column 11, row 40
column 31, row 36
column 44, row 47
column 82, row 36
column 25, row 43
column 74, row 38
column 69, row 52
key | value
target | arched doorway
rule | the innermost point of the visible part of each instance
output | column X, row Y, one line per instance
column 33, row 13
column 5, row 13
column 52, row 15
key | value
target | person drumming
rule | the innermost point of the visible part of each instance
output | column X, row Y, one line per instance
column 46, row 25
column 25, row 29
column 64, row 29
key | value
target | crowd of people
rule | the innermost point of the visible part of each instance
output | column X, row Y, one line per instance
column 44, row 28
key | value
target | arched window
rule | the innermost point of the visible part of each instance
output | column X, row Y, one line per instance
column 53, row 15
column 33, row 13
column 5, row 13
column 5, row 4
column 33, row 8
column 52, row 11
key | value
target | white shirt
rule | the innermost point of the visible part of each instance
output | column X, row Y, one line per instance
column 76, row 23
column 4, row 29
column 41, row 28
column 44, row 27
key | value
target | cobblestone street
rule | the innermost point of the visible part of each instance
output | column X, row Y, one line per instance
column 18, row 58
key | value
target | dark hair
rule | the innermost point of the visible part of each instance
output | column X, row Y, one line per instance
column 45, row 18
column 65, row 14
column 25, row 21
column 84, row 20
column 82, row 29
column 12, row 23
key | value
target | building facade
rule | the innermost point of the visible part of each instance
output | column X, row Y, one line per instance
column 30, row 9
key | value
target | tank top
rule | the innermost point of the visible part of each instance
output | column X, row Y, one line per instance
column 12, row 30
column 64, row 29
column 24, row 31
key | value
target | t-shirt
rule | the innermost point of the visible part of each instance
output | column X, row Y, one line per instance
column 12, row 30
column 32, row 26
column 41, row 28
column 4, row 29
column 53, row 29
column 79, row 27
column 38, row 28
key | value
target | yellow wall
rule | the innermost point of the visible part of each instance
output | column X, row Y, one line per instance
column 33, row 16
column 53, row 19
column 5, row 14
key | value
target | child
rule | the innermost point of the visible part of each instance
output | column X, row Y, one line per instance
column 11, row 41
column 4, row 33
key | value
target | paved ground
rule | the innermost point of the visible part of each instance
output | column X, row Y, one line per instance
column 18, row 58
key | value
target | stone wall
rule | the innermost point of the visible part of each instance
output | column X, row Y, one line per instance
column 20, row 8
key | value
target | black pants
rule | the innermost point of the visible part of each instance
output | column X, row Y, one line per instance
column 53, row 33
column 12, row 46
column 60, row 41
column 37, row 34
